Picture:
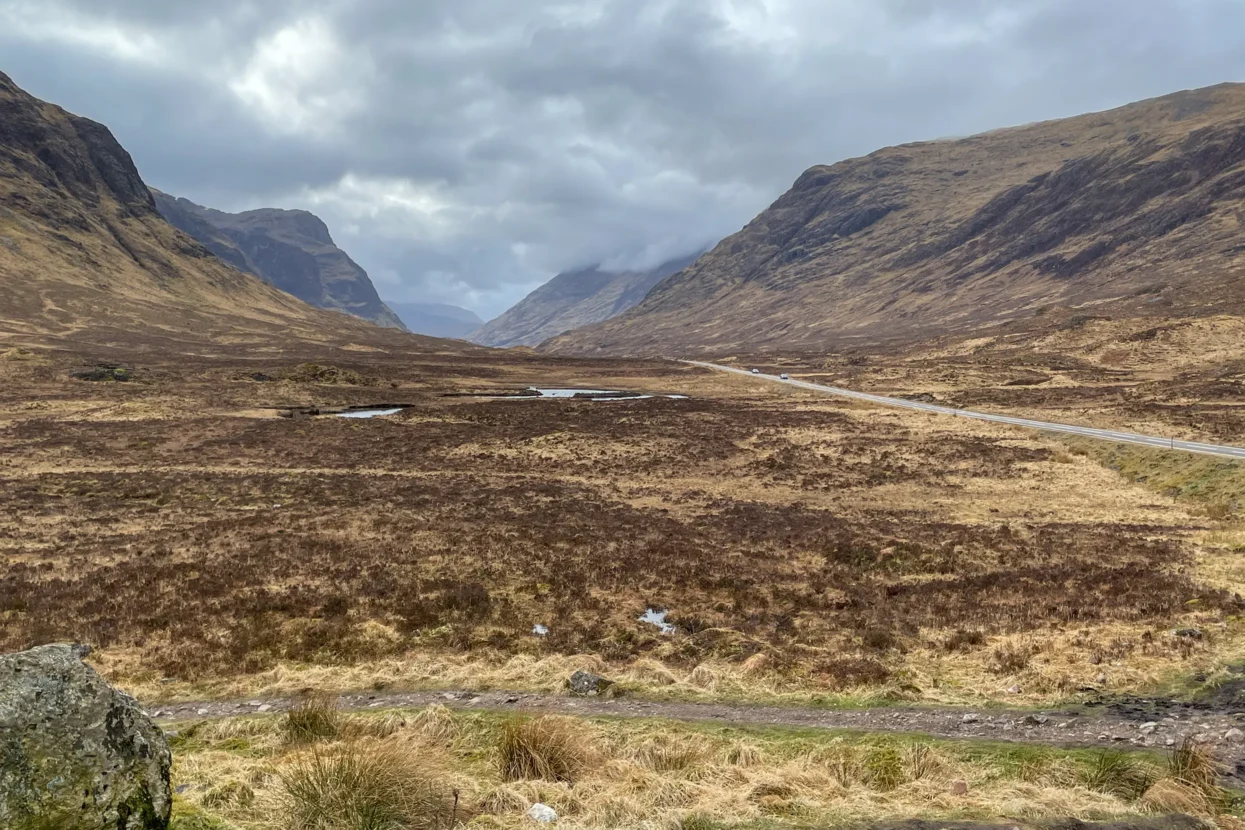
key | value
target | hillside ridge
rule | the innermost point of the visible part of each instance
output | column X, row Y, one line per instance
column 87, row 259
column 1137, row 208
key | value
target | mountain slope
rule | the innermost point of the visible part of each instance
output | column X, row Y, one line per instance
column 87, row 260
column 291, row 249
column 437, row 319
column 1136, row 211
column 571, row 300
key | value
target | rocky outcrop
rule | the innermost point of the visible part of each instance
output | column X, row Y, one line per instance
column 74, row 752
column 1133, row 212
column 571, row 300
column 290, row 249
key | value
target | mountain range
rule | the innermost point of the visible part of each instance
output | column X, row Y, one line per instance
column 574, row 299
column 438, row 319
column 1136, row 211
column 290, row 249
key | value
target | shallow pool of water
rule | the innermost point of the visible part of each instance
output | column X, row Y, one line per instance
column 369, row 413
column 601, row 394
column 657, row 618
column 570, row 393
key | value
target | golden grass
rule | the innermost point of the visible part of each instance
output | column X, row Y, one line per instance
column 661, row 774
column 546, row 748
column 364, row 787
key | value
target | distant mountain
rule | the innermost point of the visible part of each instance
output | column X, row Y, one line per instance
column 1139, row 211
column 290, row 249
column 437, row 319
column 86, row 257
column 573, row 299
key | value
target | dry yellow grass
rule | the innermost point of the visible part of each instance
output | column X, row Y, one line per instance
column 656, row 774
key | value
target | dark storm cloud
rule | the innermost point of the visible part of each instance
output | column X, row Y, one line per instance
column 466, row 149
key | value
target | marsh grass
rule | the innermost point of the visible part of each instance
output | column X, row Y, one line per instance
column 314, row 717
column 548, row 748
column 1119, row 774
column 365, row 787
column 609, row 773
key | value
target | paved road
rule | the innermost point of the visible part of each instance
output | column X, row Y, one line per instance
column 1089, row 432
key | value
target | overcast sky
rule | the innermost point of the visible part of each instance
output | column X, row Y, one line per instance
column 467, row 150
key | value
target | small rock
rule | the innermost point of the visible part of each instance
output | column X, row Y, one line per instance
column 587, row 684
column 1169, row 742
column 263, row 707
column 255, row 703
column 970, row 719
column 542, row 813
column 1147, row 728
column 1013, row 690
column 512, row 699
column 1036, row 720
column 1234, row 735
column 959, row 787
column 1064, row 725
column 1188, row 633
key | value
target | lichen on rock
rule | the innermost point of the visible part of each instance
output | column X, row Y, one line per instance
column 74, row 751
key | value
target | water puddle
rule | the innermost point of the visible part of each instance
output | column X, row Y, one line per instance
column 599, row 394
column 576, row 393
column 356, row 412
column 369, row 413
column 564, row 393
column 657, row 618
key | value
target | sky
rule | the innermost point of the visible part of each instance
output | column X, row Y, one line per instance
column 465, row 151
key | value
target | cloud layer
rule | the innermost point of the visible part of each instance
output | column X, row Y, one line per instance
column 467, row 150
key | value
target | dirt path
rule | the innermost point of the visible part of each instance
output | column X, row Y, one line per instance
column 1064, row 728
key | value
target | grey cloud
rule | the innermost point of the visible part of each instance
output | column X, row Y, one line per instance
column 493, row 142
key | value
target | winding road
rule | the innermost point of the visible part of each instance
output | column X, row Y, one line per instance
column 1154, row 441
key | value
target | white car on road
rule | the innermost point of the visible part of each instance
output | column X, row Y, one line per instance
column 784, row 376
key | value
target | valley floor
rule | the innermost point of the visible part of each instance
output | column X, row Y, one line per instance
column 808, row 551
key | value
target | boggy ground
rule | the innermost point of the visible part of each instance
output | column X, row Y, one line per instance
column 806, row 549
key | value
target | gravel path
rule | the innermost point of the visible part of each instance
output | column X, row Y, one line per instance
column 1221, row 730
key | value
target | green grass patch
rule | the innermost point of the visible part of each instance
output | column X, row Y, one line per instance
column 1216, row 484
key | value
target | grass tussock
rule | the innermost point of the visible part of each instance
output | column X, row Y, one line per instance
column 314, row 717
column 365, row 787
column 1120, row 774
column 546, row 748
column 1191, row 784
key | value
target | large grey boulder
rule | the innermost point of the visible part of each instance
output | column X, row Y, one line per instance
column 75, row 752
